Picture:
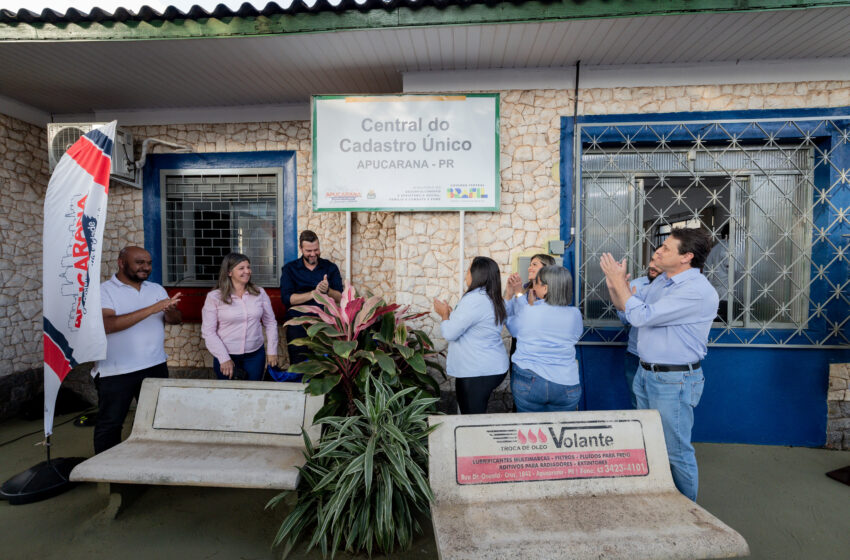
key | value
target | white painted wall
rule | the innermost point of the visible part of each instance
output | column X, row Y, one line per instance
column 635, row 75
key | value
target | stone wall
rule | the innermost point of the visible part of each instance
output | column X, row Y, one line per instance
column 23, row 176
column 407, row 257
column 838, row 406
column 411, row 257
column 530, row 133
column 183, row 343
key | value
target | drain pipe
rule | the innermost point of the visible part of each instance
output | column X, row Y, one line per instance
column 149, row 141
column 576, row 170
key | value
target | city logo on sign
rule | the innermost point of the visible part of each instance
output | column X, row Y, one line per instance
column 343, row 196
column 79, row 254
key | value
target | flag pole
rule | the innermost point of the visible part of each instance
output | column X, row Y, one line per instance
column 74, row 219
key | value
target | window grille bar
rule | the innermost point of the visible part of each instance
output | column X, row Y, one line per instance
column 210, row 213
column 771, row 189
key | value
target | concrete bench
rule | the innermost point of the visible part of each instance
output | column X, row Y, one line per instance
column 564, row 485
column 190, row 432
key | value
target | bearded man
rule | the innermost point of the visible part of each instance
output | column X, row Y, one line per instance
column 299, row 279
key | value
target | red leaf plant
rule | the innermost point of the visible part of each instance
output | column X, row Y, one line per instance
column 357, row 338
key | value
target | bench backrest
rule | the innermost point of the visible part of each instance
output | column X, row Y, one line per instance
column 249, row 412
column 497, row 457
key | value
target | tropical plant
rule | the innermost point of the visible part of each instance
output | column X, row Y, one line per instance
column 365, row 483
column 357, row 339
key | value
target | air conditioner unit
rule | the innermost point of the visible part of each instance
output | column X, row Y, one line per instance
column 60, row 137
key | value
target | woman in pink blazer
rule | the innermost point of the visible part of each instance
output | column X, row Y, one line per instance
column 233, row 319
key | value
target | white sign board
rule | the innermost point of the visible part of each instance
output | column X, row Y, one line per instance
column 549, row 451
column 406, row 153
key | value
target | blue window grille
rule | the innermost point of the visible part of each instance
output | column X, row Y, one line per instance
column 772, row 187
column 199, row 207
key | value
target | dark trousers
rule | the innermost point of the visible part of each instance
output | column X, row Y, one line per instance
column 114, row 395
column 252, row 364
column 297, row 354
column 474, row 392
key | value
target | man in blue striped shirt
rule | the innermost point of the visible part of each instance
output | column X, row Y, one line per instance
column 631, row 360
column 674, row 314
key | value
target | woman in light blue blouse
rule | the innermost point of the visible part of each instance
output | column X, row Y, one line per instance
column 476, row 356
column 544, row 373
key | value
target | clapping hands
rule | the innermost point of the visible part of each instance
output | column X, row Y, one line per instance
column 442, row 309
column 514, row 285
column 612, row 268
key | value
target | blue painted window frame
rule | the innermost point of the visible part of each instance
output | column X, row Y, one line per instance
column 151, row 193
column 821, row 216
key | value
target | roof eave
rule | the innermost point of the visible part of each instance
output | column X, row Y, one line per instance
column 444, row 13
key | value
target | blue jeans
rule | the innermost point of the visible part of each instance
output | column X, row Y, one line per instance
column 674, row 394
column 532, row 393
column 253, row 363
column 631, row 364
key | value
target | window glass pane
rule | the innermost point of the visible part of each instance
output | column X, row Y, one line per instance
column 755, row 201
column 609, row 207
column 208, row 216
column 777, row 235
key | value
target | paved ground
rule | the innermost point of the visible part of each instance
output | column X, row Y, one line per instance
column 777, row 497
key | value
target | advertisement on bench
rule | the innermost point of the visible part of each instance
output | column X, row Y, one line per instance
column 549, row 451
column 406, row 152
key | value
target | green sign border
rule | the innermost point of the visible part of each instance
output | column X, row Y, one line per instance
column 498, row 148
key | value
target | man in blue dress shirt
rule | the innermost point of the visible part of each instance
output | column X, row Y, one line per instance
column 674, row 314
column 299, row 279
column 631, row 360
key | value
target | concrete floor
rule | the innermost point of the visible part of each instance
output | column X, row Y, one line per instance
column 777, row 497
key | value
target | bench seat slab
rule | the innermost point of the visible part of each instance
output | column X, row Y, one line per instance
column 649, row 526
column 195, row 464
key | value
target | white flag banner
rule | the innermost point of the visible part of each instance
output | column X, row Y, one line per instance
column 74, row 218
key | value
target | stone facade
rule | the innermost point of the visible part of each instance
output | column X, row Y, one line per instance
column 23, row 181
column 372, row 233
column 184, row 345
column 405, row 257
column 838, row 406
column 411, row 257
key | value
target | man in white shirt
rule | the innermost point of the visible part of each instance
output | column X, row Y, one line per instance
column 134, row 315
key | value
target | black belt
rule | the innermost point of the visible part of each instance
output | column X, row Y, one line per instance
column 669, row 367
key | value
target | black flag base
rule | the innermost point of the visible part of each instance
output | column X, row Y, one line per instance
column 841, row 475
column 44, row 480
